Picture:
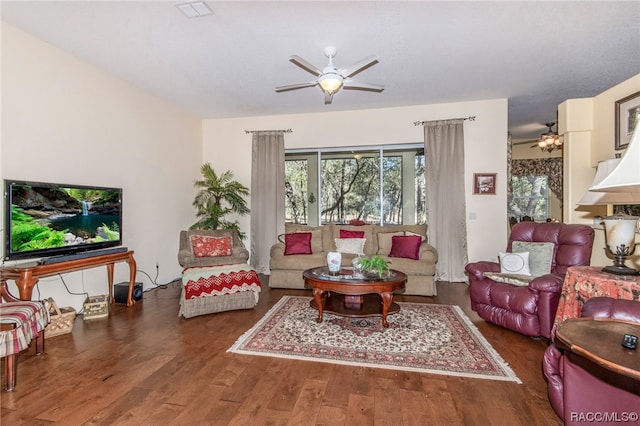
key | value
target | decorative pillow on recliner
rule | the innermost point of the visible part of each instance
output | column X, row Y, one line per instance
column 514, row 263
column 345, row 233
column 406, row 246
column 540, row 255
column 205, row 246
column 350, row 245
column 297, row 243
column 515, row 279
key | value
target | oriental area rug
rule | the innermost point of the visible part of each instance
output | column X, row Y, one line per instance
column 425, row 338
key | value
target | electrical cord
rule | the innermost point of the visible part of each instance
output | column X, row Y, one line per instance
column 85, row 294
column 154, row 281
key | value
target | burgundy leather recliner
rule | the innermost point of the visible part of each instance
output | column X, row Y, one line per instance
column 531, row 309
column 573, row 391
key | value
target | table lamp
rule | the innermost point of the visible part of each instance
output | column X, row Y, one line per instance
column 622, row 184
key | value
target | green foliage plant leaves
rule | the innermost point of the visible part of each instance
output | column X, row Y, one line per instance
column 374, row 263
column 217, row 197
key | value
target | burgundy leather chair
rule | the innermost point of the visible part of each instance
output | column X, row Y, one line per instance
column 530, row 309
column 573, row 390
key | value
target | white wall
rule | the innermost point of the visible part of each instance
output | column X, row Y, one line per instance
column 65, row 121
column 588, row 128
column 227, row 147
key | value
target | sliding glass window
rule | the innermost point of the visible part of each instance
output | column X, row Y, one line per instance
column 382, row 185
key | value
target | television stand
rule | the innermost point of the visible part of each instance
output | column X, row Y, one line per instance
column 26, row 276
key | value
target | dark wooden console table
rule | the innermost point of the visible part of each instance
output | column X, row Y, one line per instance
column 26, row 276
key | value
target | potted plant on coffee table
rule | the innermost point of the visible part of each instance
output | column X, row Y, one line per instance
column 375, row 265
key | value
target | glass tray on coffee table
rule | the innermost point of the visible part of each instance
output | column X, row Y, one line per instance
column 349, row 273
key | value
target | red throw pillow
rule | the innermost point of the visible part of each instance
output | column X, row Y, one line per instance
column 297, row 243
column 407, row 246
column 345, row 233
column 205, row 246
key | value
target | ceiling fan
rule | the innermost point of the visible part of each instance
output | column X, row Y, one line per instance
column 549, row 141
column 330, row 78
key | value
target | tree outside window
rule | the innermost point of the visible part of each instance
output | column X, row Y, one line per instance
column 296, row 192
column 530, row 197
column 350, row 183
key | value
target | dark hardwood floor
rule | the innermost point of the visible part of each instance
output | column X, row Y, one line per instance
column 146, row 366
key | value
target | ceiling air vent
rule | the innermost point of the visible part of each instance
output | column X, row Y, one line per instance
column 194, row 9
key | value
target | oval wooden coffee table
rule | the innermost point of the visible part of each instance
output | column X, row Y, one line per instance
column 350, row 296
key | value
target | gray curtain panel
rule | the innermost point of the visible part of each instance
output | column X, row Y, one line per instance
column 446, row 210
column 267, row 196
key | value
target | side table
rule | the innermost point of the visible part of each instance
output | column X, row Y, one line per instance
column 599, row 340
column 584, row 282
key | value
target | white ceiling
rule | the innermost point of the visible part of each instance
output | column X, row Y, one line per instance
column 536, row 54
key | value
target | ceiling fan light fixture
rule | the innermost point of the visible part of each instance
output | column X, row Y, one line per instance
column 330, row 78
column 330, row 83
column 550, row 140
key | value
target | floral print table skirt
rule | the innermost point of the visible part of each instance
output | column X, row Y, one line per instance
column 584, row 282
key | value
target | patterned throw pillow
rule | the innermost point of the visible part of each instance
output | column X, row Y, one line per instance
column 297, row 243
column 205, row 246
column 514, row 263
column 350, row 245
column 540, row 256
column 407, row 246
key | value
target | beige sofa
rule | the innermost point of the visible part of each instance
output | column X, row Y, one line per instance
column 286, row 271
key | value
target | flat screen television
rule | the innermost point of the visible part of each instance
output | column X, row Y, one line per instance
column 49, row 219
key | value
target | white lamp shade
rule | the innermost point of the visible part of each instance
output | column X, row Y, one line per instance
column 592, row 198
column 625, row 177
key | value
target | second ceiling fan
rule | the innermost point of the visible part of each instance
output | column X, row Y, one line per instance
column 330, row 78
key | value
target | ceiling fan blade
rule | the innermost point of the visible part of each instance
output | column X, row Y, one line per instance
column 295, row 86
column 328, row 97
column 359, row 66
column 307, row 66
column 351, row 84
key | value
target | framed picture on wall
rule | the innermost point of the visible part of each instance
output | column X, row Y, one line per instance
column 627, row 118
column 484, row 183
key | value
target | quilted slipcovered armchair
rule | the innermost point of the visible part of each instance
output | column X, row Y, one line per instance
column 530, row 309
column 203, row 290
column 573, row 389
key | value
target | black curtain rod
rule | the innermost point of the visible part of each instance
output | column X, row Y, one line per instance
column 266, row 131
column 422, row 123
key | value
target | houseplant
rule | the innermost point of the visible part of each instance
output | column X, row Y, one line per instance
column 374, row 265
column 219, row 196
